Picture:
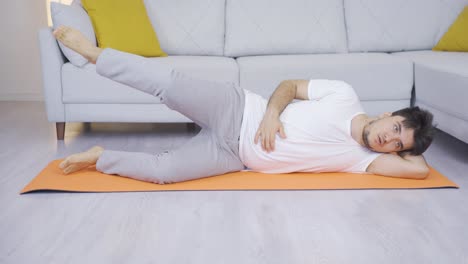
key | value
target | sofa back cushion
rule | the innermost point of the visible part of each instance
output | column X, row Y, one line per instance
column 187, row 27
column 260, row 27
column 398, row 25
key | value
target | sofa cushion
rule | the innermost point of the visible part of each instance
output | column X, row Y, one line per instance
column 187, row 27
column 382, row 25
column 76, row 17
column 255, row 27
column 456, row 37
column 374, row 76
column 123, row 25
column 84, row 85
column 441, row 80
column 450, row 62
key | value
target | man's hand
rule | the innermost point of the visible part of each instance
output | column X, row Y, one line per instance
column 287, row 91
column 267, row 130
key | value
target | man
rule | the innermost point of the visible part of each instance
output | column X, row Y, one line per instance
column 326, row 131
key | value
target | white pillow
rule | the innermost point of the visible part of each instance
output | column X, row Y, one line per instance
column 77, row 2
column 76, row 17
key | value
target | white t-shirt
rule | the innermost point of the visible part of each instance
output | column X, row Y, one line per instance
column 318, row 133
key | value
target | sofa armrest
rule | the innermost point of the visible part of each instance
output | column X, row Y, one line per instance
column 52, row 60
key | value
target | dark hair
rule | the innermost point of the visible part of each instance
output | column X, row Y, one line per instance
column 421, row 122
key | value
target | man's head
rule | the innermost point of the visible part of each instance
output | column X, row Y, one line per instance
column 409, row 130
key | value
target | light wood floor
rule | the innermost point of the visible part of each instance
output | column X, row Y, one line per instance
column 338, row 226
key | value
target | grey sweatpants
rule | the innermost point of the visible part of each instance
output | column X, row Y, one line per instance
column 217, row 107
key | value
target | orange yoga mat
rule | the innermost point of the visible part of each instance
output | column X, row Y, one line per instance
column 90, row 180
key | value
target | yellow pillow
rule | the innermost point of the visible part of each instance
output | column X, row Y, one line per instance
column 123, row 25
column 456, row 37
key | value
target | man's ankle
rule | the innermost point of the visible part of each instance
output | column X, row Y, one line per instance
column 96, row 156
column 94, row 54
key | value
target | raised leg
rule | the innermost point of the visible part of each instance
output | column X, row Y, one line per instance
column 207, row 103
column 210, row 104
column 60, row 128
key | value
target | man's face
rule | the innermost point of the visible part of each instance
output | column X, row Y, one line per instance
column 387, row 134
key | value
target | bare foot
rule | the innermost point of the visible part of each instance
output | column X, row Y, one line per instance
column 81, row 160
column 76, row 41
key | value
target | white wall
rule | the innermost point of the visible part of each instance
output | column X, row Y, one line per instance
column 20, row 72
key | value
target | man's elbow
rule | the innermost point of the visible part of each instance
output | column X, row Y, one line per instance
column 421, row 173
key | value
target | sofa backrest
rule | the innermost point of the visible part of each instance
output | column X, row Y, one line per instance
column 398, row 25
column 188, row 27
column 261, row 27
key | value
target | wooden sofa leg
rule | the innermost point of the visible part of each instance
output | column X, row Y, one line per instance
column 191, row 127
column 60, row 126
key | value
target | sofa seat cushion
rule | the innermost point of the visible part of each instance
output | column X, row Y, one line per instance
column 84, row 85
column 441, row 80
column 450, row 62
column 376, row 77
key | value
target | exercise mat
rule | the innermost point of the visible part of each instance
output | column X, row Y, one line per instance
column 91, row 180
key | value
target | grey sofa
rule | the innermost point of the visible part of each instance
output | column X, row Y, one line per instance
column 382, row 48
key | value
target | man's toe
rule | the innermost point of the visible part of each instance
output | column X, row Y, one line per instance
column 63, row 164
column 69, row 169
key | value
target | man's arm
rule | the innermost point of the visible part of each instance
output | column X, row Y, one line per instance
column 411, row 167
column 271, row 124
